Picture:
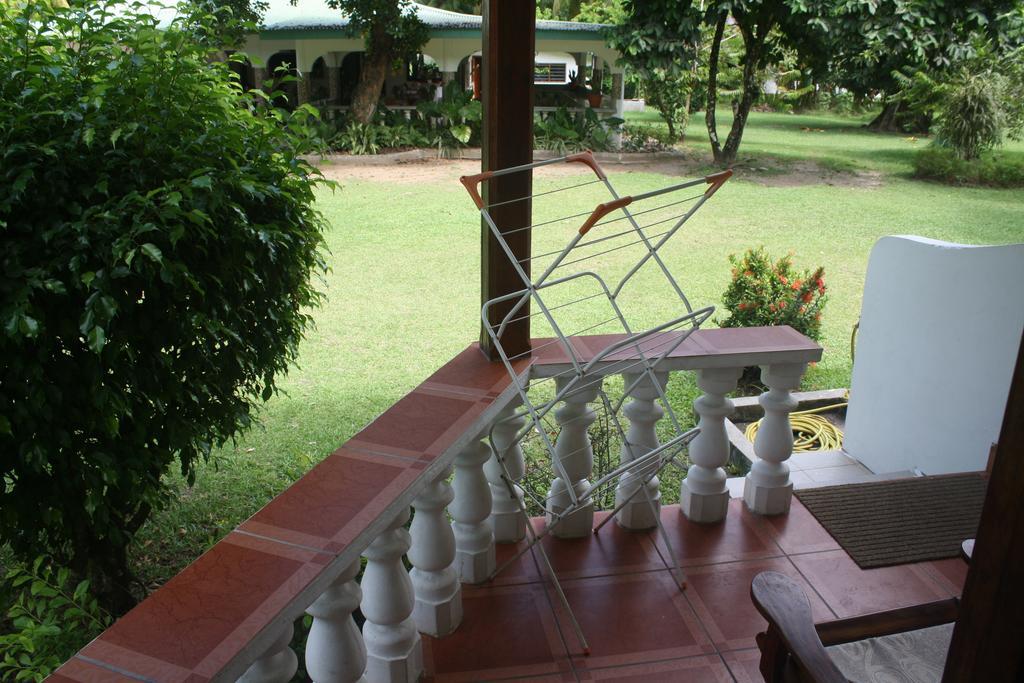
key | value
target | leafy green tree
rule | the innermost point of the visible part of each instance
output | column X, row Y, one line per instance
column 391, row 31
column 601, row 12
column 859, row 44
column 670, row 94
column 232, row 19
column 974, row 104
column 658, row 41
column 157, row 237
column 665, row 34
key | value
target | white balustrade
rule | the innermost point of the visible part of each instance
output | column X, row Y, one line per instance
column 393, row 647
column 643, row 414
column 435, row 581
column 278, row 664
column 767, row 489
column 335, row 652
column 574, row 457
column 704, row 496
column 474, row 540
column 506, row 519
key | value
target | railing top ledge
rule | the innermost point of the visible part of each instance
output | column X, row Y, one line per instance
column 705, row 348
column 222, row 611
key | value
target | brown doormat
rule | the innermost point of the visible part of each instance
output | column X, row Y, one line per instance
column 901, row 520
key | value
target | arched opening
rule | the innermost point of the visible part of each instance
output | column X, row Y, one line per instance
column 279, row 65
column 350, row 68
column 468, row 73
column 242, row 69
column 319, row 88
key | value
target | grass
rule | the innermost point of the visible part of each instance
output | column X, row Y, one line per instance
column 403, row 297
column 836, row 142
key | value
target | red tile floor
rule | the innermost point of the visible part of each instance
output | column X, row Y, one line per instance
column 640, row 626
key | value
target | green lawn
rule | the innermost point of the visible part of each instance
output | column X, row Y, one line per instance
column 403, row 296
column 836, row 142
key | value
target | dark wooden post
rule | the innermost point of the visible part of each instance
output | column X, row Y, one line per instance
column 988, row 639
column 508, row 55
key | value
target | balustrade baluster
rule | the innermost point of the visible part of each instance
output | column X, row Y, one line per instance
column 435, row 580
column 574, row 453
column 643, row 414
column 506, row 519
column 474, row 540
column 335, row 652
column 393, row 646
column 277, row 665
column 768, row 489
column 704, row 496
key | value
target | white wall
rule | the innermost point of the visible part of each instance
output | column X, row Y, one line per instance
column 939, row 331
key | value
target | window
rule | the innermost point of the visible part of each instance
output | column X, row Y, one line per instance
column 549, row 73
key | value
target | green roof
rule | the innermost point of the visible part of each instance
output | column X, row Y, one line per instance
column 314, row 15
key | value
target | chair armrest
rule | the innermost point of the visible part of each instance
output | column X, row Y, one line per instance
column 889, row 622
column 790, row 624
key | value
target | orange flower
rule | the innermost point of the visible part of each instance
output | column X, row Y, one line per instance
column 782, row 304
column 747, row 273
column 771, row 307
column 783, row 280
column 807, row 297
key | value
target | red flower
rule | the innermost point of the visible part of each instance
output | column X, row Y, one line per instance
column 807, row 297
column 747, row 273
column 742, row 306
column 782, row 304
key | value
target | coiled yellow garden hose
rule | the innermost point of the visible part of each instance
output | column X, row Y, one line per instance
column 811, row 432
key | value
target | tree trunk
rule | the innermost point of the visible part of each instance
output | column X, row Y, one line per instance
column 753, row 41
column 885, row 122
column 371, row 79
column 103, row 560
column 709, row 114
column 686, row 115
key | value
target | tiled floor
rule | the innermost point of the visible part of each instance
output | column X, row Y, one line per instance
column 640, row 626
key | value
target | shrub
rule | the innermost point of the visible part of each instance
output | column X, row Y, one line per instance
column 454, row 120
column 50, row 621
column 640, row 138
column 970, row 117
column 669, row 93
column 766, row 293
column 562, row 131
column 157, row 236
column 994, row 169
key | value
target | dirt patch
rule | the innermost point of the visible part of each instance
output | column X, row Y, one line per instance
column 773, row 173
column 414, row 169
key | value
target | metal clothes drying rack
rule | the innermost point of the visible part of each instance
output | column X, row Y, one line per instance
column 642, row 223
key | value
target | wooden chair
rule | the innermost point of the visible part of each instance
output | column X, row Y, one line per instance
column 986, row 643
column 794, row 647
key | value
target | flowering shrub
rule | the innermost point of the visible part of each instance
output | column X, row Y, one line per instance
column 766, row 293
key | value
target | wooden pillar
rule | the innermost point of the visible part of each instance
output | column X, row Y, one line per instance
column 508, row 55
column 987, row 643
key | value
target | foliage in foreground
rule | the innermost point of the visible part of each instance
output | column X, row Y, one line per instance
column 994, row 169
column 51, row 619
column 157, row 236
column 765, row 293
